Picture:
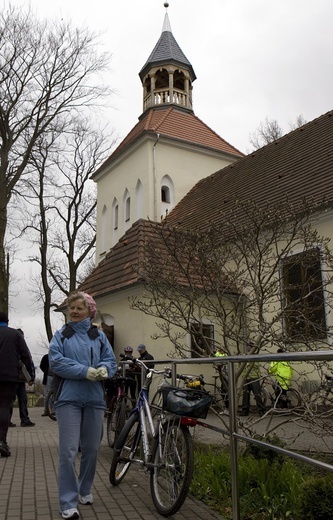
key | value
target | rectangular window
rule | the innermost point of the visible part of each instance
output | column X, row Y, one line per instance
column 303, row 296
column 202, row 340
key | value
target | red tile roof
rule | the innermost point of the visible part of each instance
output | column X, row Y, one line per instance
column 142, row 254
column 118, row 269
column 298, row 165
column 174, row 123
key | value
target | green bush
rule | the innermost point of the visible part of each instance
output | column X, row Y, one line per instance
column 259, row 452
column 268, row 489
column 316, row 498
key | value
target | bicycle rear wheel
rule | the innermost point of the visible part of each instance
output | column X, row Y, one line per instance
column 116, row 421
column 125, row 448
column 49, row 405
column 109, row 415
column 294, row 399
column 173, row 463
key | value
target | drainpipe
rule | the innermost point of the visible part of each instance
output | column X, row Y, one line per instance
column 154, row 175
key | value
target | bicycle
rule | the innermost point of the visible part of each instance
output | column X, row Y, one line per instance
column 272, row 393
column 49, row 405
column 167, row 446
column 117, row 411
column 182, row 381
column 219, row 395
column 321, row 397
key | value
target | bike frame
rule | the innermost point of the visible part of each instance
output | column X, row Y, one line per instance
column 145, row 424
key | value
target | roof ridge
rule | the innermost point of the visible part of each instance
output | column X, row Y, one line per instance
column 163, row 118
column 147, row 122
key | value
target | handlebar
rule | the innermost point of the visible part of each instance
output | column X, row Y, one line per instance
column 166, row 372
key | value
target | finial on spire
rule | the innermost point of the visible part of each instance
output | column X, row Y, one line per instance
column 166, row 24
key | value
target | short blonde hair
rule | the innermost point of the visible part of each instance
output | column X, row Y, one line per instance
column 88, row 300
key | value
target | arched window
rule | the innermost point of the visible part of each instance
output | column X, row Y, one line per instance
column 103, row 230
column 115, row 212
column 167, row 195
column 138, row 204
column 126, row 209
column 114, row 222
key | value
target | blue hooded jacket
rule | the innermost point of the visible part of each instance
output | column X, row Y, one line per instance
column 73, row 349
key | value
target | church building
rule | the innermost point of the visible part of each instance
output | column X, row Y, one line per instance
column 160, row 160
column 164, row 155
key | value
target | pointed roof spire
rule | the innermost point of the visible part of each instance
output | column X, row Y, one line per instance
column 166, row 24
column 167, row 51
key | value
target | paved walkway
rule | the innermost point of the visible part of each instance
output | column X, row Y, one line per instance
column 28, row 482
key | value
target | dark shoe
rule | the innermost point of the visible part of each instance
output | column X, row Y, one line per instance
column 29, row 423
column 243, row 414
column 4, row 449
column 45, row 414
column 12, row 425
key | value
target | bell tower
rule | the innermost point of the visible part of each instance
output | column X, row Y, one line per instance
column 167, row 75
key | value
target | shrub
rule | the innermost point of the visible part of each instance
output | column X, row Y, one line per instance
column 316, row 498
column 259, row 452
column 268, row 489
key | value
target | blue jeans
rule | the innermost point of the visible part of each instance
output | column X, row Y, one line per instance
column 79, row 427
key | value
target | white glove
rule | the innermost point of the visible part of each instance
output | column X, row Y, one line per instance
column 91, row 374
column 102, row 373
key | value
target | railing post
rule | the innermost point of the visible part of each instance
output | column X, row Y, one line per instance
column 173, row 374
column 233, row 441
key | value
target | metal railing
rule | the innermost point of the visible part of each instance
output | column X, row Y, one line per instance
column 235, row 436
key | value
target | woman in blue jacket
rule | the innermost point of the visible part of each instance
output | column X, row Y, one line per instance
column 80, row 358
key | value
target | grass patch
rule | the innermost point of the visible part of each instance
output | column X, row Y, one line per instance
column 271, row 486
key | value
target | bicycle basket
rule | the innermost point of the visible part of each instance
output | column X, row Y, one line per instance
column 189, row 403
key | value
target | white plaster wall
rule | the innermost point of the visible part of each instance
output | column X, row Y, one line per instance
column 185, row 165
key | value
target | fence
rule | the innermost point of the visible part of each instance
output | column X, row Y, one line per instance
column 234, row 435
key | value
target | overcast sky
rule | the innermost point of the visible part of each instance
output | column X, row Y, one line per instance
column 253, row 59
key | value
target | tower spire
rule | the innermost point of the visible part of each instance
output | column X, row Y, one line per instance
column 167, row 75
column 166, row 23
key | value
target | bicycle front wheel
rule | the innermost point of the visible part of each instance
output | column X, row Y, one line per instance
column 156, row 405
column 49, row 405
column 173, row 463
column 125, row 448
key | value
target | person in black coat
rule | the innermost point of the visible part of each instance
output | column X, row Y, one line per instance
column 47, row 379
column 13, row 349
column 144, row 356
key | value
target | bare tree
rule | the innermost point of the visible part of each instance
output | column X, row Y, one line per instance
column 63, row 221
column 48, row 72
column 266, row 133
column 270, row 130
column 245, row 277
column 300, row 121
